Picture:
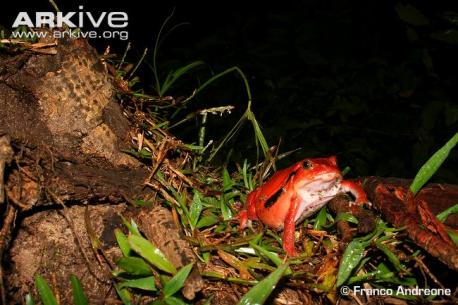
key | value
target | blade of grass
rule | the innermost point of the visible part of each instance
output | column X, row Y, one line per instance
column 271, row 256
column 432, row 165
column 175, row 75
column 123, row 243
column 79, row 298
column 177, row 282
column 132, row 226
column 45, row 292
column 29, row 300
column 146, row 283
column 391, row 256
column 259, row 293
column 124, row 295
column 451, row 210
column 346, row 217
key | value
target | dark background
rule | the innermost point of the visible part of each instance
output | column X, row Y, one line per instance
column 373, row 82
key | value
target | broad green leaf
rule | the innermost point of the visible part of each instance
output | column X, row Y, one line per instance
column 451, row 210
column 79, row 298
column 146, row 283
column 433, row 164
column 121, row 238
column 320, row 219
column 45, row 292
column 195, row 209
column 207, row 221
column 152, row 254
column 350, row 259
column 259, row 293
column 134, row 265
column 29, row 300
column 177, row 281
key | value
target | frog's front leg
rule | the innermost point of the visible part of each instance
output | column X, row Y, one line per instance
column 249, row 213
column 290, row 226
column 356, row 190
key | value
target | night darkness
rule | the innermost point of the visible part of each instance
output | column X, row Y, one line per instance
column 359, row 79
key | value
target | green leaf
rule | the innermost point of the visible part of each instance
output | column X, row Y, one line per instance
column 346, row 217
column 207, row 221
column 121, row 238
column 124, row 295
column 432, row 165
column 146, row 283
column 391, row 256
column 177, row 282
column 446, row 35
column 320, row 219
column 29, row 300
column 134, row 265
column 79, row 298
column 225, row 210
column 175, row 75
column 453, row 236
column 259, row 293
column 45, row 292
column 451, row 210
column 143, row 203
column 411, row 14
column 174, row 301
column 260, row 139
column 350, row 259
column 195, row 209
column 227, row 181
column 272, row 256
column 152, row 254
column 132, row 226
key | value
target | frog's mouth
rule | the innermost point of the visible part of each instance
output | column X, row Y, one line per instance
column 316, row 193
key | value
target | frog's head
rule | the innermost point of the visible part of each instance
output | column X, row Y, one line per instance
column 317, row 174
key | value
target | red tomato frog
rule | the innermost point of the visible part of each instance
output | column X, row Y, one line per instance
column 296, row 192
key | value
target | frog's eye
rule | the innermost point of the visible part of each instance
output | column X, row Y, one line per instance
column 306, row 164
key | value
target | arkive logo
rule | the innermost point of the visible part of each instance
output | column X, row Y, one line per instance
column 78, row 19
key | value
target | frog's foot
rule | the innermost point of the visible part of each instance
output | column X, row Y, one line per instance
column 243, row 219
